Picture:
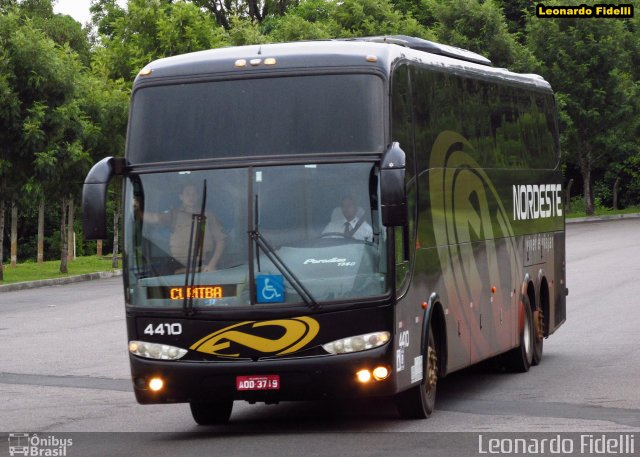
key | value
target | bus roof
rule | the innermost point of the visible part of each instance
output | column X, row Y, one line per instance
column 379, row 52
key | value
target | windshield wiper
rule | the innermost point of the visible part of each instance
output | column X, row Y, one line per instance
column 194, row 253
column 277, row 261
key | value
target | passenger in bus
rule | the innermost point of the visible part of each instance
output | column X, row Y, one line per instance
column 348, row 221
column 180, row 222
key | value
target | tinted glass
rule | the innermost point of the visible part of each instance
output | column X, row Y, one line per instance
column 317, row 220
column 268, row 116
column 507, row 126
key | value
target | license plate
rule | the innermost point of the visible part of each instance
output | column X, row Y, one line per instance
column 264, row 382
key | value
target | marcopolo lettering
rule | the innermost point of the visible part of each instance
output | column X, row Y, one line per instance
column 316, row 261
column 532, row 201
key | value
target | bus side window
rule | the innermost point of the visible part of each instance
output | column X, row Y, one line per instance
column 402, row 132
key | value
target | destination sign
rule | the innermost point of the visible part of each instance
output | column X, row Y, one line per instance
column 195, row 292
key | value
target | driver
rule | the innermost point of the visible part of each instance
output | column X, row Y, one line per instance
column 349, row 222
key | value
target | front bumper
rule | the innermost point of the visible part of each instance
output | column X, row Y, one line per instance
column 306, row 378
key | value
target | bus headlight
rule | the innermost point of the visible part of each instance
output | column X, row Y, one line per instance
column 156, row 351
column 357, row 343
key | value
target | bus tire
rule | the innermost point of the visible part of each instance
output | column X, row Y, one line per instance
column 211, row 413
column 418, row 402
column 520, row 358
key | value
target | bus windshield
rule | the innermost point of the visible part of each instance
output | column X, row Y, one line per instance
column 257, row 117
column 318, row 220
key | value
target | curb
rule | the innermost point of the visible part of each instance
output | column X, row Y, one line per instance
column 614, row 217
column 59, row 281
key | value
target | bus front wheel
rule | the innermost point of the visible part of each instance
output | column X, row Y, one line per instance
column 418, row 402
column 211, row 413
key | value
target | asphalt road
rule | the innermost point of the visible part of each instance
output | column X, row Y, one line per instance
column 64, row 368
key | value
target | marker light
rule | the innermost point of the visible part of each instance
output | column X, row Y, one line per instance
column 270, row 61
column 357, row 343
column 372, row 58
column 380, row 373
column 255, row 62
column 156, row 351
column 364, row 376
column 156, row 384
column 145, row 72
column 241, row 63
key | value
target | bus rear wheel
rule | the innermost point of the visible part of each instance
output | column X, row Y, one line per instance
column 418, row 402
column 520, row 358
column 211, row 413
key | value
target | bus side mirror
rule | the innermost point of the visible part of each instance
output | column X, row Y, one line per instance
column 393, row 195
column 94, row 197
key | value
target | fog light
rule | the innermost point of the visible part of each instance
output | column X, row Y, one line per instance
column 380, row 373
column 156, row 384
column 364, row 376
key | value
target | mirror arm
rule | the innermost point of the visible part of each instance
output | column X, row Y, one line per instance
column 94, row 196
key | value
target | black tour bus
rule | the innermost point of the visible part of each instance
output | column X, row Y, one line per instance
column 334, row 219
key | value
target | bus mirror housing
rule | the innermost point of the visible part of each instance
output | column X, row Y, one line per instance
column 94, row 197
column 393, row 195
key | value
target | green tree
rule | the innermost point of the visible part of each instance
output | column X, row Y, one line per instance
column 590, row 65
column 516, row 13
column 44, row 124
column 374, row 17
column 480, row 27
column 255, row 11
column 65, row 31
column 14, row 165
column 149, row 30
column 320, row 19
column 104, row 16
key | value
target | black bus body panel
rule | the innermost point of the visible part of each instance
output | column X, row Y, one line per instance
column 221, row 350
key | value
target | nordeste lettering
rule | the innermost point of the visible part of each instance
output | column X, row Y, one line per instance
column 533, row 201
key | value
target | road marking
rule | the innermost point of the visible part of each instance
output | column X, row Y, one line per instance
column 76, row 382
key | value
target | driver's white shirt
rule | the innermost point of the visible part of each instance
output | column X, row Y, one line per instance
column 364, row 232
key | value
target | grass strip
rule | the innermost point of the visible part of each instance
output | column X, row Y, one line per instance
column 32, row 271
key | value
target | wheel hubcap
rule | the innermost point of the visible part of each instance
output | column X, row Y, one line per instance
column 432, row 371
column 538, row 323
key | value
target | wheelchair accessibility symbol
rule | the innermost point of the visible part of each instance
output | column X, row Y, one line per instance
column 270, row 288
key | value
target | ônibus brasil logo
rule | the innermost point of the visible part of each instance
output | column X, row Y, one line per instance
column 33, row 445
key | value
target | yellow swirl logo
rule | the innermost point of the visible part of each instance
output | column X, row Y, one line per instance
column 298, row 332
